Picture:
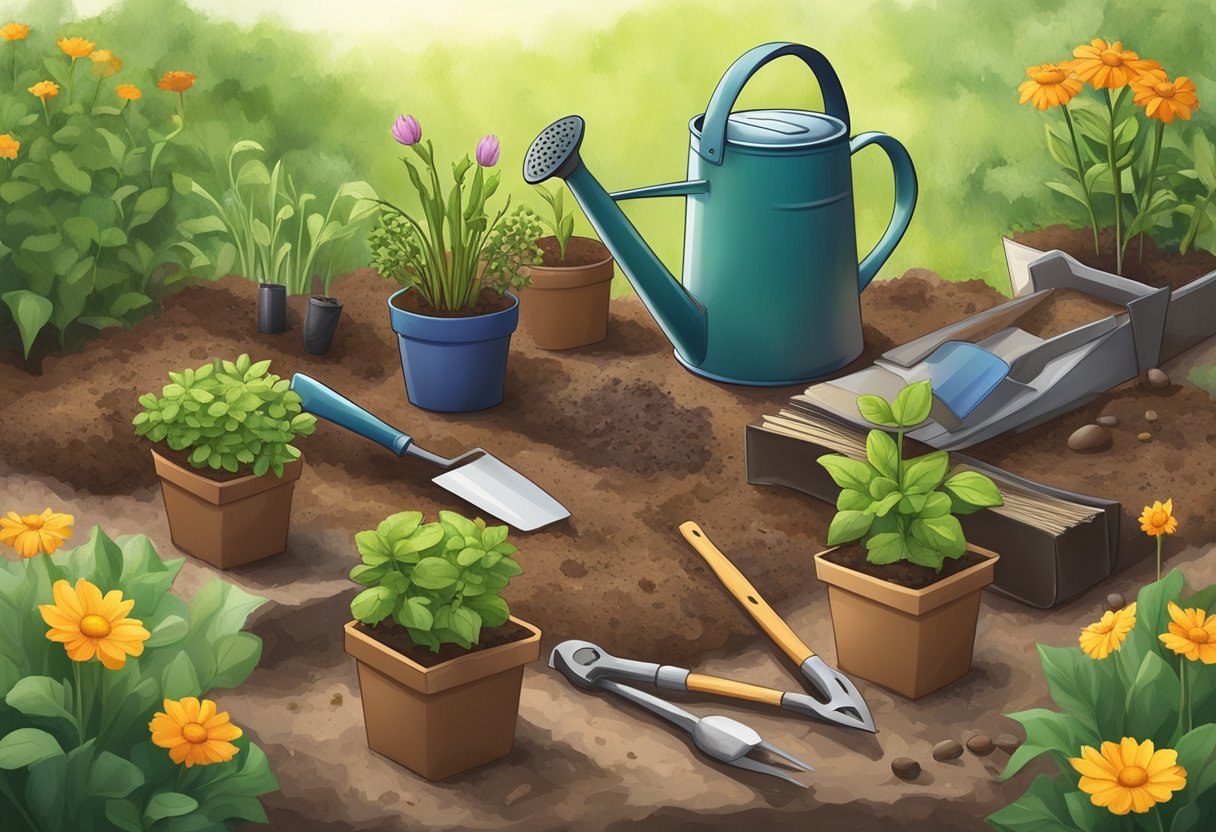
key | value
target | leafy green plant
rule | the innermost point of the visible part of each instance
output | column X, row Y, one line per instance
column 1141, row 689
column 228, row 415
column 903, row 509
column 511, row 249
column 440, row 581
column 271, row 234
column 75, row 746
column 562, row 223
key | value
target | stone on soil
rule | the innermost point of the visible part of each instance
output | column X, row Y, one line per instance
column 981, row 745
column 1150, row 415
column 905, row 768
column 1115, row 601
column 947, row 750
column 1008, row 743
column 1089, row 439
column 1145, row 436
column 1108, row 421
column 1158, row 378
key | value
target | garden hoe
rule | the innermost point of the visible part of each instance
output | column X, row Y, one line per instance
column 475, row 475
column 843, row 705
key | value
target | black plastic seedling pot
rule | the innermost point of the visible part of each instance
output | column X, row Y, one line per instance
column 320, row 323
column 272, row 308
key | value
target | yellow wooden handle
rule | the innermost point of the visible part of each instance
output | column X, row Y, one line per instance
column 746, row 594
column 735, row 690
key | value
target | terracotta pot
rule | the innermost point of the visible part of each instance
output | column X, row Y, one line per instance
column 229, row 523
column 442, row 720
column 912, row 641
column 567, row 306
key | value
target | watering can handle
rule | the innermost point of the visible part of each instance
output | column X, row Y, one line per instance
column 905, row 202
column 713, row 133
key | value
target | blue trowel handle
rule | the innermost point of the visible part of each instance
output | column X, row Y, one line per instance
column 324, row 403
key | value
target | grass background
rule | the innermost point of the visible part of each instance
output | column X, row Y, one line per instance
column 940, row 75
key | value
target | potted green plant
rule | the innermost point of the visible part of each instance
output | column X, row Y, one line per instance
column 440, row 657
column 905, row 597
column 455, row 315
column 566, row 304
column 226, row 463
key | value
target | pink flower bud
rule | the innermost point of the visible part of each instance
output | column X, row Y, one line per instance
column 487, row 151
column 407, row 130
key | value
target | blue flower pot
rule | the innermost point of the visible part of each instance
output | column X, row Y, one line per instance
column 454, row 365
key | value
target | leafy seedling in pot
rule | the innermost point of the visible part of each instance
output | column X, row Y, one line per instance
column 562, row 224
column 903, row 510
column 440, row 581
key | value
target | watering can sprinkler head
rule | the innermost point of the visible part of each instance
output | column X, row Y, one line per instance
column 555, row 151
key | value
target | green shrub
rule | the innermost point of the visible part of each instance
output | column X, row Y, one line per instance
column 229, row 415
column 75, row 745
column 440, row 581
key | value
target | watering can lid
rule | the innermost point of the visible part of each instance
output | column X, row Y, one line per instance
column 782, row 128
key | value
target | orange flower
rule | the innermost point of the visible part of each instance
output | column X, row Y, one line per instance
column 176, row 81
column 194, row 732
column 76, row 47
column 45, row 90
column 1163, row 99
column 32, row 534
column 105, row 63
column 1050, row 85
column 1105, row 65
column 129, row 92
column 14, row 31
column 1159, row 519
column 8, row 146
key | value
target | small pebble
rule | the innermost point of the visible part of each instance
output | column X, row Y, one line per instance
column 1145, row 436
column 1157, row 378
column 905, row 768
column 1115, row 601
column 1108, row 421
column 947, row 750
column 1150, row 415
column 981, row 745
column 293, row 706
column 1008, row 743
column 337, row 699
column 1089, row 438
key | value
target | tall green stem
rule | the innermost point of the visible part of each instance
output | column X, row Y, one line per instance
column 71, row 80
column 79, row 702
column 17, row 804
column 1089, row 200
column 1116, row 181
column 1159, row 557
column 1150, row 185
column 1183, row 704
column 96, row 93
column 13, row 50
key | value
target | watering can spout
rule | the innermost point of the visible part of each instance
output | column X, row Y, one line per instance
column 555, row 152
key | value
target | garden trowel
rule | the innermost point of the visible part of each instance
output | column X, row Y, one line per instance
column 475, row 475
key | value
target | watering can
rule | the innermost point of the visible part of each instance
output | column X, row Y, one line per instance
column 771, row 286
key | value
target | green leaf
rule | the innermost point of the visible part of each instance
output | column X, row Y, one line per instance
column 127, row 302
column 942, row 534
column 16, row 190
column 469, row 556
column 169, row 805
column 1041, row 808
column 1151, row 701
column 180, row 679
column 31, row 313
column 69, row 174
column 876, row 411
column 492, row 609
column 1075, row 683
column 973, row 489
column 373, row 605
column 112, row 776
column 123, row 814
column 1197, row 754
column 881, row 507
column 415, row 614
column 399, row 525
column 373, row 548
column 42, row 242
column 848, row 525
column 24, row 747
column 847, row 472
column 366, row 574
column 925, row 473
column 912, row 405
column 435, row 573
column 493, row 536
column 935, row 505
column 236, row 655
column 883, row 454
column 880, row 487
column 887, row 547
column 852, row 500
column 41, row 696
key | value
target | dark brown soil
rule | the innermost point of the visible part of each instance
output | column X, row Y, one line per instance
column 580, row 251
column 910, row 575
column 1065, row 309
column 488, row 302
column 394, row 636
column 1156, row 267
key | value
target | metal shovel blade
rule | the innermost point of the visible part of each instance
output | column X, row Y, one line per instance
column 500, row 490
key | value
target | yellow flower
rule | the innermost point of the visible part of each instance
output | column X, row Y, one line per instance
column 1105, row 65
column 129, row 92
column 76, row 47
column 194, row 733
column 1050, row 85
column 1129, row 776
column 1163, row 99
column 32, row 534
column 1103, row 637
column 176, row 81
column 8, row 150
column 14, row 31
column 1159, row 519
column 89, row 625
column 45, row 90
column 105, row 64
column 1192, row 634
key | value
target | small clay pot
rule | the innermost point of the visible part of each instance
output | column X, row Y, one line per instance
column 320, row 324
column 272, row 308
column 566, row 306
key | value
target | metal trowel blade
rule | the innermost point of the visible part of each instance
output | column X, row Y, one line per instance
column 500, row 490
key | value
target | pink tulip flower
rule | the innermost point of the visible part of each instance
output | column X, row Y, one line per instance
column 407, row 130
column 488, row 151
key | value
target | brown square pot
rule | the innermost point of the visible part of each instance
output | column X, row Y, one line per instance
column 442, row 720
column 912, row 641
column 229, row 523
column 567, row 306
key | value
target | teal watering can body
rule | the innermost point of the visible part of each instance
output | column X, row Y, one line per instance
column 771, row 286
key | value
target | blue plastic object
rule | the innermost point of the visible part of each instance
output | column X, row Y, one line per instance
column 319, row 400
column 963, row 375
column 454, row 365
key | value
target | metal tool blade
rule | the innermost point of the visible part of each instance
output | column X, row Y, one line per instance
column 500, row 490
column 844, row 705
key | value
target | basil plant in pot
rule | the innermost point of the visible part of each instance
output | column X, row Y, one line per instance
column 226, row 463
column 440, row 656
column 455, row 314
column 904, row 585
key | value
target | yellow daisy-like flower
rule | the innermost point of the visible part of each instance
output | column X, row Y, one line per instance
column 1159, row 519
column 1129, row 776
column 129, row 92
column 76, row 47
column 33, row 534
column 1106, row 636
column 1049, row 85
column 194, row 733
column 1105, row 65
column 176, row 81
column 1192, row 633
column 1163, row 99
column 105, row 64
column 88, row 624
column 44, row 90
column 8, row 150
column 14, row 31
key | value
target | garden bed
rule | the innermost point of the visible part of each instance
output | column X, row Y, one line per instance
column 633, row 445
